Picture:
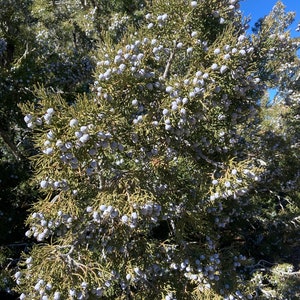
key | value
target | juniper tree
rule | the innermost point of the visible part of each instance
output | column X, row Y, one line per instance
column 148, row 180
column 50, row 43
column 279, row 222
column 274, row 233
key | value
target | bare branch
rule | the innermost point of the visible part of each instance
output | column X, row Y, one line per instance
column 10, row 145
column 168, row 66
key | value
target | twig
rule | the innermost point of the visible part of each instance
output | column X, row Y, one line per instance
column 214, row 163
column 168, row 66
column 11, row 146
column 286, row 273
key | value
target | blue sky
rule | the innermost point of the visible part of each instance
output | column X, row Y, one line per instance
column 259, row 8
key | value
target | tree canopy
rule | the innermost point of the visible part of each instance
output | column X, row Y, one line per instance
column 150, row 162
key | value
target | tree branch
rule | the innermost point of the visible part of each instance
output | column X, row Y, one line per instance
column 168, row 66
column 10, row 145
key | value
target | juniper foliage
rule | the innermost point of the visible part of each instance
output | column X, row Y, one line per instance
column 160, row 171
